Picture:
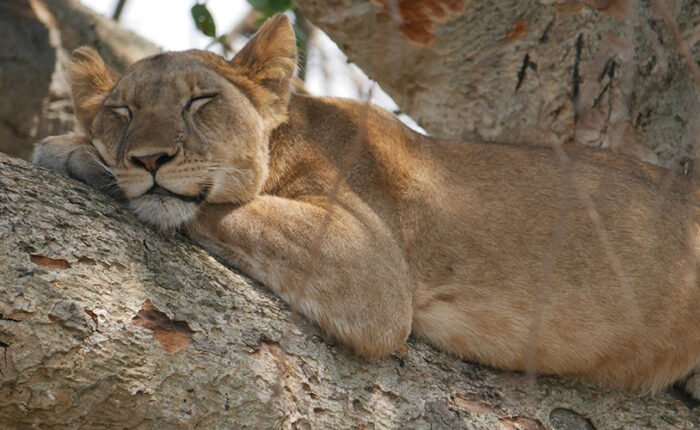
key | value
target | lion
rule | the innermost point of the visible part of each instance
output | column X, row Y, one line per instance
column 560, row 261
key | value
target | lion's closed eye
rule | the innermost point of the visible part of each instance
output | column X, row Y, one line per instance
column 121, row 111
column 197, row 102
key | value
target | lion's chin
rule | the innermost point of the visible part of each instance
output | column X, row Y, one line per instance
column 165, row 213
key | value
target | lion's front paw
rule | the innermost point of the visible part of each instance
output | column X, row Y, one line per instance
column 74, row 155
column 54, row 152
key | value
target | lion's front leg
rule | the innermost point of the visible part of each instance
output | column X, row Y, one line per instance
column 346, row 274
column 74, row 155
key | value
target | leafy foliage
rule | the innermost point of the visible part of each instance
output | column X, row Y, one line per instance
column 271, row 7
column 203, row 19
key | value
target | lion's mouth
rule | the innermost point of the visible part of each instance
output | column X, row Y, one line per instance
column 157, row 190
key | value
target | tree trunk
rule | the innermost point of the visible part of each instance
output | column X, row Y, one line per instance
column 38, row 37
column 604, row 73
column 105, row 323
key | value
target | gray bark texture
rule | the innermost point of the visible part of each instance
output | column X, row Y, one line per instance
column 37, row 39
column 603, row 73
column 105, row 323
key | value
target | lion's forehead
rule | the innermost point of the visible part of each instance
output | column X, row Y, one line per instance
column 165, row 78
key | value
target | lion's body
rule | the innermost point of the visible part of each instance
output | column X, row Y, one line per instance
column 478, row 224
column 518, row 257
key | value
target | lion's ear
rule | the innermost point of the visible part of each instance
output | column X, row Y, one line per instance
column 269, row 60
column 90, row 80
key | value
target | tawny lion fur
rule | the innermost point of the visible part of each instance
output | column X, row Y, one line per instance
column 573, row 263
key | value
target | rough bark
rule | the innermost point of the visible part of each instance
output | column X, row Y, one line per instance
column 38, row 36
column 604, row 73
column 105, row 323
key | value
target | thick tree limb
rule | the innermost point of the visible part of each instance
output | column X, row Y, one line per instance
column 105, row 323
column 601, row 73
column 38, row 37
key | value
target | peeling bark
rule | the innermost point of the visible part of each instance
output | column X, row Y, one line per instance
column 105, row 323
column 600, row 73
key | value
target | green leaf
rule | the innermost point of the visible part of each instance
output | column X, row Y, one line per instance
column 280, row 5
column 271, row 7
column 258, row 5
column 203, row 19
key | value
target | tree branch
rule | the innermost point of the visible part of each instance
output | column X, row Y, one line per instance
column 104, row 323
column 526, row 72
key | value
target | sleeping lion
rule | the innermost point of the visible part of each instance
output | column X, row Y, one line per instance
column 574, row 263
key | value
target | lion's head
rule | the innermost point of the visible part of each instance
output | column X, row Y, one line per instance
column 179, row 129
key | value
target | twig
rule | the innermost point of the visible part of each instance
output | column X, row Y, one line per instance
column 118, row 10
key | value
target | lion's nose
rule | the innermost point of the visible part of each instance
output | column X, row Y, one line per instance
column 152, row 162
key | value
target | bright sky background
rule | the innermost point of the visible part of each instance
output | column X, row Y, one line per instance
column 168, row 23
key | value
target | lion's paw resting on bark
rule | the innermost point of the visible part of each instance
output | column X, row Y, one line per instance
column 574, row 264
